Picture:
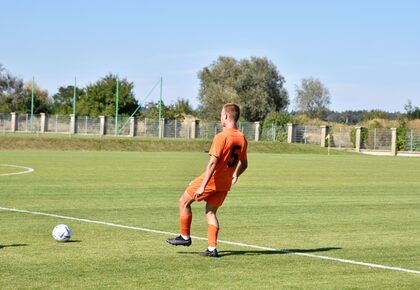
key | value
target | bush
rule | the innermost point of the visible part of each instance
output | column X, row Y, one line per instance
column 363, row 136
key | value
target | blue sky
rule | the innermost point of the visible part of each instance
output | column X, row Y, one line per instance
column 367, row 53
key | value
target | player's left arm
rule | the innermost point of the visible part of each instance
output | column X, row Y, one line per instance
column 209, row 173
column 241, row 168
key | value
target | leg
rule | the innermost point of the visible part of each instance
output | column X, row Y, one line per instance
column 185, row 218
column 185, row 214
column 211, row 215
column 185, row 204
column 213, row 229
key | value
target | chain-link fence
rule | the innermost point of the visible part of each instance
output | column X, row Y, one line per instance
column 340, row 137
column 308, row 134
column 378, row 139
column 274, row 133
column 411, row 142
column 5, row 122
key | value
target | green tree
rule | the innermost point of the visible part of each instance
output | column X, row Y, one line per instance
column 11, row 92
column 413, row 112
column 63, row 100
column 99, row 98
column 42, row 102
column 312, row 98
column 255, row 84
column 375, row 114
column 183, row 107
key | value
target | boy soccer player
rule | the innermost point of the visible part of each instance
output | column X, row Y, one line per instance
column 227, row 150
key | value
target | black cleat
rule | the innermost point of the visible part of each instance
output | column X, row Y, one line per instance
column 179, row 241
column 208, row 253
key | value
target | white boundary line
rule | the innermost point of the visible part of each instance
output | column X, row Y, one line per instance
column 220, row 241
column 28, row 169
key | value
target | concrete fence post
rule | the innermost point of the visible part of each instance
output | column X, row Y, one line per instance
column 14, row 123
column 44, row 123
column 133, row 126
column 257, row 131
column 194, row 128
column 324, row 132
column 73, row 124
column 291, row 133
column 394, row 141
column 358, row 138
column 162, row 128
column 102, row 125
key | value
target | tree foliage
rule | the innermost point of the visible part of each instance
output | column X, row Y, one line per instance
column 11, row 92
column 176, row 111
column 99, row 98
column 413, row 112
column 63, row 99
column 312, row 98
column 254, row 84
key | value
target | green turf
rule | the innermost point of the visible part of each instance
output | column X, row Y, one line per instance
column 354, row 207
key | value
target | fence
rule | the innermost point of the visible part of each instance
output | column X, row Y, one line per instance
column 412, row 141
column 308, row 134
column 338, row 137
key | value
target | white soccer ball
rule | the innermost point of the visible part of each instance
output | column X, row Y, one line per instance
column 61, row 233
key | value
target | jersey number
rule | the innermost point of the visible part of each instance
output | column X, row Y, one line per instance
column 234, row 157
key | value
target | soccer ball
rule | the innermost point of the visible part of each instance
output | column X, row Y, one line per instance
column 61, row 233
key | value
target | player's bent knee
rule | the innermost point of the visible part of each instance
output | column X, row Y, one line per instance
column 185, row 200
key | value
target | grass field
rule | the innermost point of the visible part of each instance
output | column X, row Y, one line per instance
column 360, row 208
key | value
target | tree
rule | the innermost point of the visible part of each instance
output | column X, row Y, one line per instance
column 63, row 100
column 183, row 107
column 254, row 84
column 99, row 98
column 376, row 114
column 312, row 98
column 413, row 112
column 16, row 96
column 11, row 92
column 42, row 103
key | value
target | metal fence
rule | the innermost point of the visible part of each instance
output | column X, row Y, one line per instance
column 274, row 133
column 340, row 137
column 412, row 141
column 308, row 134
column 377, row 139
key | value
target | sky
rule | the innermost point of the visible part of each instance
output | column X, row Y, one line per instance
column 367, row 53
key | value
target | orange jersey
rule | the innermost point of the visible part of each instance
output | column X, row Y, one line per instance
column 228, row 147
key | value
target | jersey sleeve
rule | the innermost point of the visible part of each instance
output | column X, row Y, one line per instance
column 217, row 146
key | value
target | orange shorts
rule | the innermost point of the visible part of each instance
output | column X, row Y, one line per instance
column 214, row 197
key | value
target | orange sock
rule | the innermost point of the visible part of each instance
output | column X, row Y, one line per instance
column 185, row 221
column 212, row 235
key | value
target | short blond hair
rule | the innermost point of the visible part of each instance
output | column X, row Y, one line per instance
column 233, row 111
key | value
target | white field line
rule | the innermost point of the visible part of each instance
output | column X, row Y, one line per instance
column 27, row 170
column 220, row 241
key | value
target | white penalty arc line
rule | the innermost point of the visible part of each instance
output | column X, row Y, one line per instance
column 219, row 241
column 27, row 170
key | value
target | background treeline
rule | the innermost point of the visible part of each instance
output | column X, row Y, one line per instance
column 254, row 83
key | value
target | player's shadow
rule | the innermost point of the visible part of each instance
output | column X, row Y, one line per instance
column 13, row 245
column 276, row 252
column 267, row 252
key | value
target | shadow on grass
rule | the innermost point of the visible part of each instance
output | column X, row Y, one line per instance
column 265, row 252
column 13, row 245
column 70, row 241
